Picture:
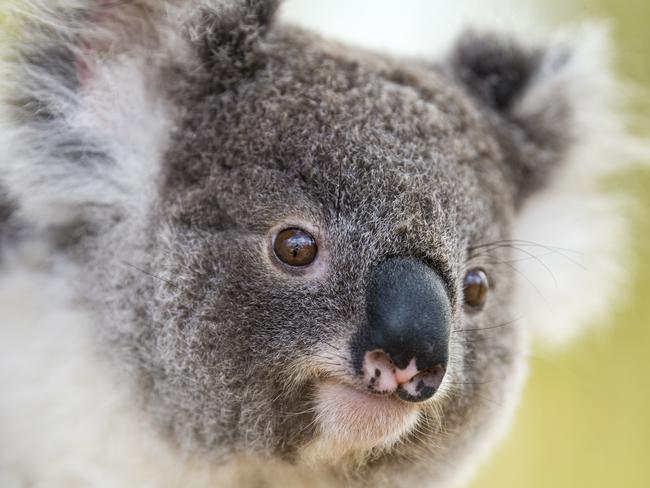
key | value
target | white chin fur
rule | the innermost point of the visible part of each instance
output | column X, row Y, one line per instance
column 572, row 245
column 353, row 420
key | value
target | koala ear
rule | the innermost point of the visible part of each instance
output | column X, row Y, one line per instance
column 226, row 35
column 85, row 112
column 538, row 98
column 223, row 33
column 558, row 112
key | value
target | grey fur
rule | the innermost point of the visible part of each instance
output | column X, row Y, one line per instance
column 272, row 124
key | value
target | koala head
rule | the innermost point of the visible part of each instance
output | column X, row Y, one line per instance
column 298, row 250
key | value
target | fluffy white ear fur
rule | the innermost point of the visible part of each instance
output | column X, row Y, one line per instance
column 100, row 155
column 101, row 158
column 571, row 240
column 128, row 124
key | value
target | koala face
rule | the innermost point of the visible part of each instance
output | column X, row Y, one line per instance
column 392, row 182
column 385, row 185
column 306, row 257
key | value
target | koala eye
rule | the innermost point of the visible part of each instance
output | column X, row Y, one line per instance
column 295, row 247
column 475, row 288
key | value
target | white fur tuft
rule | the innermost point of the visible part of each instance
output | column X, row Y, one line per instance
column 115, row 128
column 574, row 236
column 118, row 124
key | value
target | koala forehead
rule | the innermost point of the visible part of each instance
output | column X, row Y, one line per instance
column 318, row 132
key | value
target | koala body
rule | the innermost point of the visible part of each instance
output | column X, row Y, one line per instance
column 154, row 156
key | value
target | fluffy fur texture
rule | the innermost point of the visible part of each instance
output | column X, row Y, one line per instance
column 150, row 150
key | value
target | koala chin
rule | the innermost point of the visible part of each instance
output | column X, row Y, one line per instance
column 235, row 253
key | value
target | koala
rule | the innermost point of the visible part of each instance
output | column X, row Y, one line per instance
column 236, row 253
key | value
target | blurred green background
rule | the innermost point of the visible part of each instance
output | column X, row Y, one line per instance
column 585, row 416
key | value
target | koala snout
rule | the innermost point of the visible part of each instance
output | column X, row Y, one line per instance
column 404, row 347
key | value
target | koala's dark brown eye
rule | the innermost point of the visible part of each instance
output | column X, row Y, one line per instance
column 476, row 287
column 295, row 247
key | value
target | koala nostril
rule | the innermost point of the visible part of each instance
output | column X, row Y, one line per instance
column 423, row 385
column 379, row 372
column 381, row 375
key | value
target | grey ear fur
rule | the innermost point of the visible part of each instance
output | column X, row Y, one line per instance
column 225, row 39
column 223, row 34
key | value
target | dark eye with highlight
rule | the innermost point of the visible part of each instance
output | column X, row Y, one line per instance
column 295, row 247
column 475, row 288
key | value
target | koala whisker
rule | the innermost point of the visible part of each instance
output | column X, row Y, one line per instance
column 518, row 260
column 472, row 383
column 335, row 348
column 521, row 243
column 518, row 245
column 342, row 376
column 473, row 341
column 331, row 357
column 491, row 403
column 332, row 354
column 330, row 363
column 468, row 366
column 339, row 190
column 420, row 436
column 339, row 362
column 530, row 256
column 429, row 434
column 525, row 243
column 163, row 280
column 537, row 290
column 477, row 329
column 309, row 410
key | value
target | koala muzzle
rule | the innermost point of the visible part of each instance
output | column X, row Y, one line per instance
column 405, row 346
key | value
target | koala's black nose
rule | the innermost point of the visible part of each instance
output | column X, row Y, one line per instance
column 404, row 348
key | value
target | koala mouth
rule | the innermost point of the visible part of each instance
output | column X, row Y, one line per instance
column 398, row 358
column 350, row 417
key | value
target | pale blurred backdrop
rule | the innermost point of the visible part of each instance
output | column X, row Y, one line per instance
column 585, row 417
